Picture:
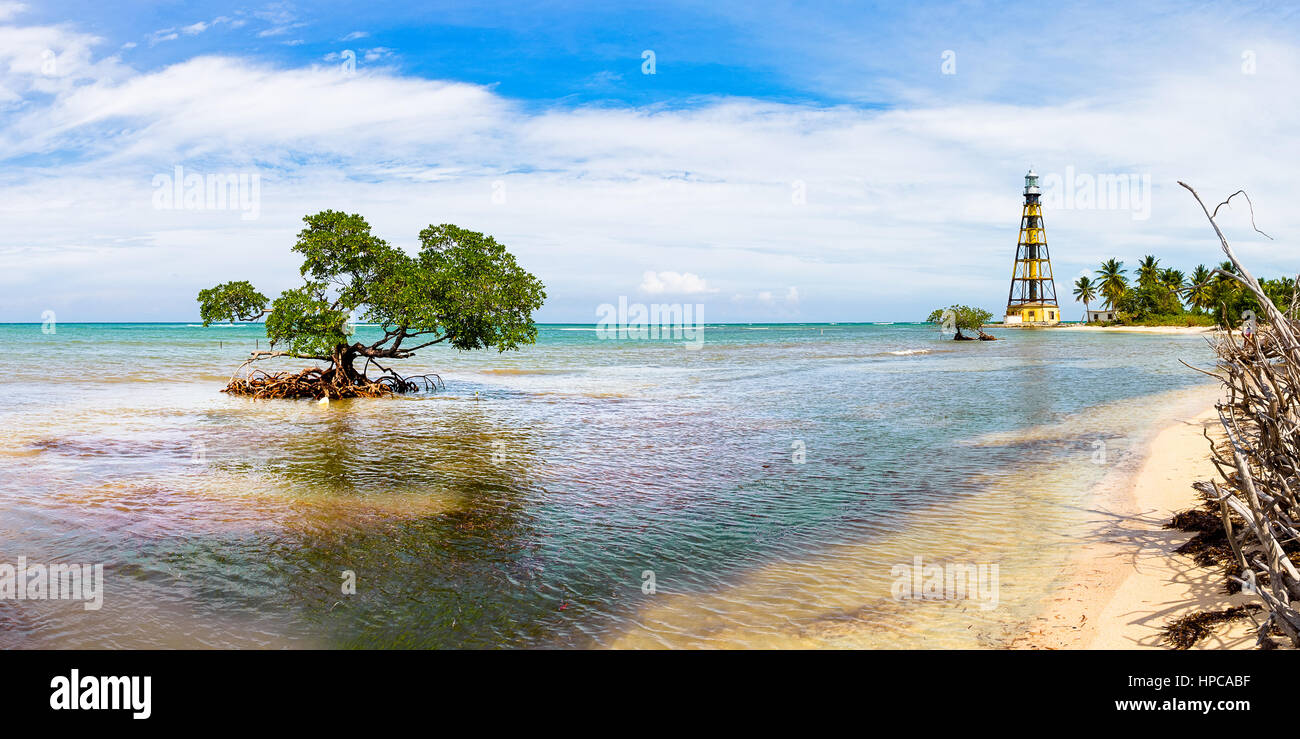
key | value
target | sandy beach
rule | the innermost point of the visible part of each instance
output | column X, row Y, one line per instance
column 1139, row 329
column 1124, row 586
column 1112, row 329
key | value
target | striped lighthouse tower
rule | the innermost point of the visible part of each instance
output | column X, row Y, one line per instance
column 1032, row 299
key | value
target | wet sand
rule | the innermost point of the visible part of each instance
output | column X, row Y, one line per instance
column 841, row 597
column 1126, row 584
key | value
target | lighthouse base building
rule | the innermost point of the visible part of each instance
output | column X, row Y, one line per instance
column 1042, row 314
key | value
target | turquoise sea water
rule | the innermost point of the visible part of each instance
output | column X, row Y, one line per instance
column 530, row 502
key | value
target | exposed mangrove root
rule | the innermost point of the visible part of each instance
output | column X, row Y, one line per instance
column 327, row 383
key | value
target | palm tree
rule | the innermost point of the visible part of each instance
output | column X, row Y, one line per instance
column 1172, row 279
column 1200, row 293
column 1113, row 281
column 1085, row 290
column 1224, row 293
column 1148, row 270
column 1280, row 291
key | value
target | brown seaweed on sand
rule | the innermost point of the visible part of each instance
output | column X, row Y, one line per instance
column 1183, row 633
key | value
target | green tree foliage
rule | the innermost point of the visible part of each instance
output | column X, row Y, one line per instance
column 1147, row 301
column 1159, row 295
column 1155, row 296
column 462, row 288
column 1198, row 294
column 1228, row 300
column 231, row 301
column 1113, row 281
column 959, row 317
column 1173, row 279
column 1148, row 272
column 1085, row 291
column 1281, row 291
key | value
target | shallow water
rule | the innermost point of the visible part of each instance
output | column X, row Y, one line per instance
column 524, row 504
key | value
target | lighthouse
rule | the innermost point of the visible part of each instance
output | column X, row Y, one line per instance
column 1032, row 298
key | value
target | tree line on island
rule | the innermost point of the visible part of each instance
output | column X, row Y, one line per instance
column 1159, row 297
column 1168, row 297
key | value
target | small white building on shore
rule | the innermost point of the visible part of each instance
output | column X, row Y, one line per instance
column 1101, row 315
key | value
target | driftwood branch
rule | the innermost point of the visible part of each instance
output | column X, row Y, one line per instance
column 1260, row 462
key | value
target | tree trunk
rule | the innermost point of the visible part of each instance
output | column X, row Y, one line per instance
column 342, row 358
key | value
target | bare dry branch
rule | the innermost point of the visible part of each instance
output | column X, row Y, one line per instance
column 1260, row 462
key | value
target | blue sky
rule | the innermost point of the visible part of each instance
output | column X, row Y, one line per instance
column 827, row 161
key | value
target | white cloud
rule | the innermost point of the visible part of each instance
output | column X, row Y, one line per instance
column 604, row 78
column 9, row 9
column 46, row 61
column 767, row 304
column 768, row 298
column 193, row 29
column 673, row 283
column 905, row 207
column 281, row 18
column 355, row 35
